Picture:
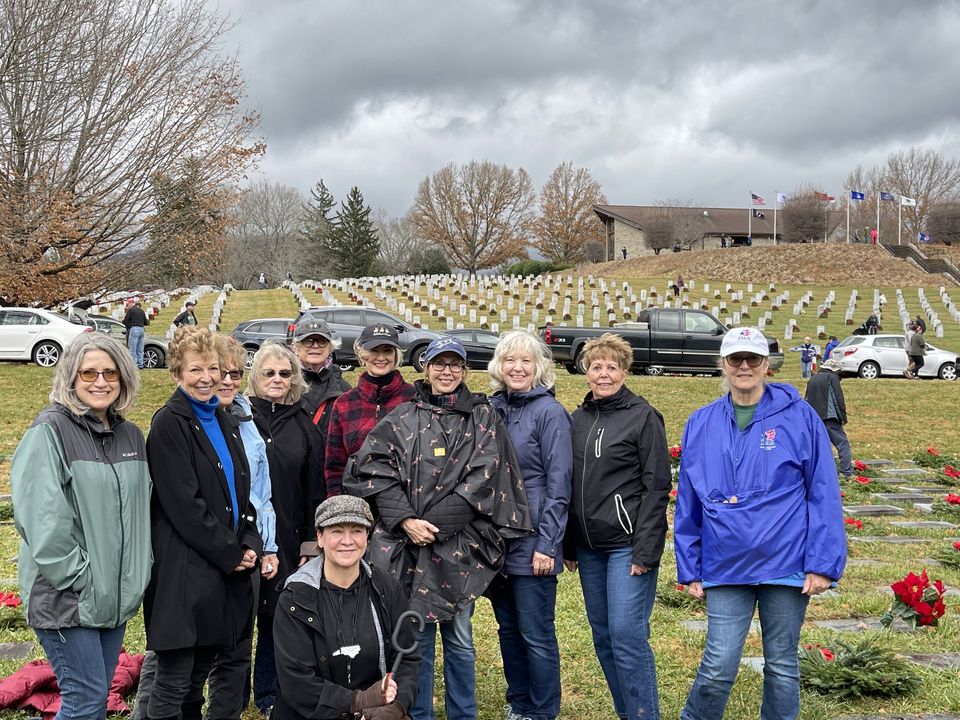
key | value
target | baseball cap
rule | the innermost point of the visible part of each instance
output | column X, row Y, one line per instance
column 744, row 339
column 307, row 328
column 189, row 303
column 379, row 334
column 343, row 509
column 444, row 344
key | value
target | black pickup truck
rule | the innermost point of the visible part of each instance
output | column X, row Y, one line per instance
column 663, row 340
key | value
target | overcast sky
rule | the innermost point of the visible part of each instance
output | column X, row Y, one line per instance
column 697, row 100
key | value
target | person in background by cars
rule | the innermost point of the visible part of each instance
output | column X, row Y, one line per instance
column 618, row 523
column 262, row 282
column 380, row 388
column 808, row 355
column 872, row 324
column 825, row 395
column 314, row 342
column 916, row 351
column 187, row 317
column 135, row 320
column 81, row 497
column 921, row 323
column 832, row 342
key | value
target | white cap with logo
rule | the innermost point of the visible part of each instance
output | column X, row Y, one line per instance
column 744, row 339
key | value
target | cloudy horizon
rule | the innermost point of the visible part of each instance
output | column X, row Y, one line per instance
column 700, row 101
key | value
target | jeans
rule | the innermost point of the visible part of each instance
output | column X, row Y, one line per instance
column 806, row 369
column 839, row 439
column 528, row 644
column 618, row 607
column 148, row 673
column 729, row 614
column 83, row 661
column 135, row 344
column 265, row 665
column 459, row 672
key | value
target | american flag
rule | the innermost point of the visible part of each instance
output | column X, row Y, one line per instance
column 757, row 200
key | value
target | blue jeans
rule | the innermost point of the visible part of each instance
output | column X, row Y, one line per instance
column 83, row 660
column 839, row 439
column 729, row 614
column 135, row 344
column 806, row 369
column 528, row 644
column 459, row 673
column 618, row 608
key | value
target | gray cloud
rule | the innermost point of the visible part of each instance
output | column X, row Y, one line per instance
column 699, row 100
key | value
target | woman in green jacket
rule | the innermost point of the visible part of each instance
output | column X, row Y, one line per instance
column 81, row 496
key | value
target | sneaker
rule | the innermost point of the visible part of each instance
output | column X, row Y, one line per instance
column 509, row 714
column 907, row 374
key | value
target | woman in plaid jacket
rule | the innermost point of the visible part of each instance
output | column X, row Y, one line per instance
column 379, row 390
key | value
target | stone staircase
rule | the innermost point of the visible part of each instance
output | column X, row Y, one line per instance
column 930, row 265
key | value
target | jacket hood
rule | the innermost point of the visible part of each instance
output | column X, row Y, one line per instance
column 326, row 384
column 503, row 398
column 268, row 408
column 465, row 399
column 776, row 398
column 623, row 398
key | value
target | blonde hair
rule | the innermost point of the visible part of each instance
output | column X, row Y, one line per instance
column 189, row 338
column 271, row 349
column 228, row 348
column 363, row 355
column 608, row 345
column 526, row 342
column 63, row 390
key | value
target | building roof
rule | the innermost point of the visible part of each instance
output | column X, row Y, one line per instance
column 717, row 221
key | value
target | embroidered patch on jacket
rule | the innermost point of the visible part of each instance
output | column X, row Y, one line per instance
column 767, row 441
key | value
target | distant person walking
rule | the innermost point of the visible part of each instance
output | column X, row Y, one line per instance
column 262, row 281
column 187, row 317
column 135, row 320
column 678, row 286
column 825, row 395
column 624, row 251
column 916, row 351
column 808, row 353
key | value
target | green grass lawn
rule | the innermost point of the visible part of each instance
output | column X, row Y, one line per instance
column 888, row 419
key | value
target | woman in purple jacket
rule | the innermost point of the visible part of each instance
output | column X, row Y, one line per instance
column 522, row 375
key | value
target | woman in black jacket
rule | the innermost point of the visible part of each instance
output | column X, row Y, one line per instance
column 333, row 628
column 618, row 522
column 294, row 452
column 204, row 532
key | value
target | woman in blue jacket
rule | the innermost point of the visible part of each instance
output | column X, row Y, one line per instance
column 758, row 523
column 522, row 375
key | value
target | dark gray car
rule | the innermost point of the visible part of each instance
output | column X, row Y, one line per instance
column 348, row 322
column 154, row 346
column 253, row 333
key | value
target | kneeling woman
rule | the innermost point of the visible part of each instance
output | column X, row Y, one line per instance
column 333, row 627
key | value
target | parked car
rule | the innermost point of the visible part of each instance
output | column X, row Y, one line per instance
column 154, row 346
column 662, row 339
column 253, row 333
column 34, row 334
column 871, row 356
column 479, row 345
column 349, row 321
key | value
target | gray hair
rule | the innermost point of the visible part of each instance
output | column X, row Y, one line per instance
column 271, row 349
column 527, row 342
column 362, row 354
column 63, row 390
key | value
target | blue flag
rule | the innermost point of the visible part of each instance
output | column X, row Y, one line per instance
column 923, row 237
column 854, row 195
column 886, row 196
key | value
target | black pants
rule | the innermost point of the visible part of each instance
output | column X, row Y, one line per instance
column 917, row 362
column 180, row 677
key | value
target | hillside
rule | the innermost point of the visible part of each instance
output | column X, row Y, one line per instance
column 786, row 264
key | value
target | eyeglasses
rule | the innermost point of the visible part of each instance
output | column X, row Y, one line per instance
column 315, row 342
column 233, row 374
column 285, row 374
column 90, row 375
column 738, row 359
column 454, row 367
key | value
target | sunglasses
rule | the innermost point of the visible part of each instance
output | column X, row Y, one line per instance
column 454, row 367
column 285, row 374
column 233, row 374
column 752, row 360
column 110, row 375
column 314, row 342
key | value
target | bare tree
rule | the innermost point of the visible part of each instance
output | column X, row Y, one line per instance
column 924, row 175
column 659, row 231
column 266, row 234
column 804, row 216
column 398, row 239
column 479, row 213
column 96, row 98
column 689, row 224
column 567, row 221
column 943, row 223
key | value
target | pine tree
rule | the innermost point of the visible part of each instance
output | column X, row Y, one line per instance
column 352, row 246
column 317, row 227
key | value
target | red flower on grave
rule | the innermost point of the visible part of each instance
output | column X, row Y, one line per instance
column 673, row 493
column 842, row 494
column 956, row 546
column 859, row 465
column 951, row 471
column 827, row 654
column 681, row 588
column 853, row 522
column 952, row 499
column 9, row 599
column 676, row 451
column 862, row 480
column 933, row 451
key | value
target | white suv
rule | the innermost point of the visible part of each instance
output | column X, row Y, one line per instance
column 33, row 334
column 870, row 356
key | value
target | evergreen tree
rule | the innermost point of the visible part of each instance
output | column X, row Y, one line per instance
column 317, row 227
column 352, row 246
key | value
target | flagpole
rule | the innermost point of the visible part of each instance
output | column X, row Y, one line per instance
column 750, row 221
column 900, row 220
column 878, row 217
column 776, row 202
column 848, row 215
